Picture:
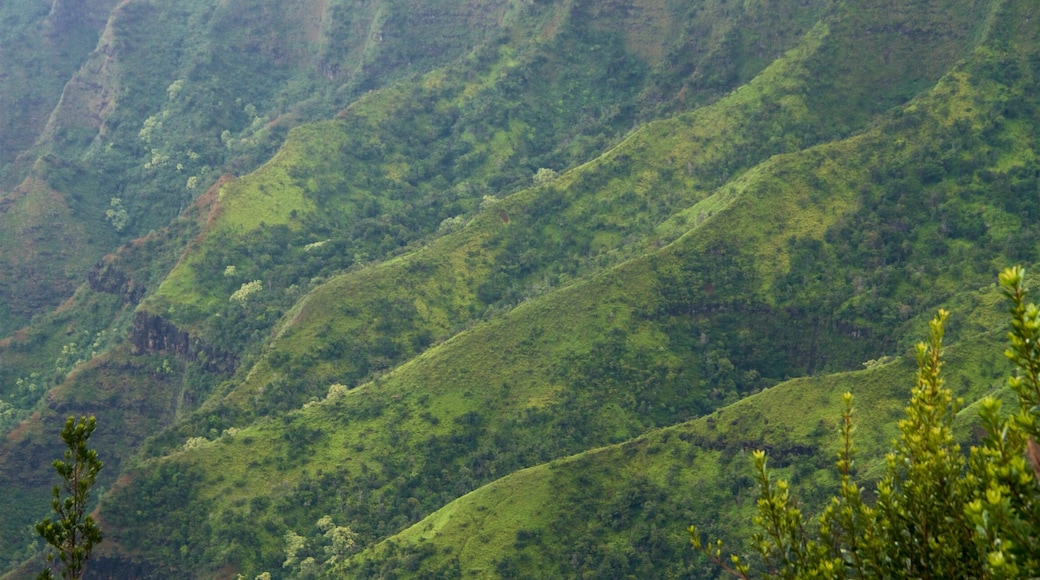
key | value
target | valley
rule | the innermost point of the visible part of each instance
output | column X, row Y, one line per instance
column 490, row 288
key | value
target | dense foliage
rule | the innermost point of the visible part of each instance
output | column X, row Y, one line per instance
column 936, row 512
column 488, row 287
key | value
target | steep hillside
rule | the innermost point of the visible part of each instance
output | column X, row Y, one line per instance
column 173, row 95
column 41, row 46
column 588, row 219
column 623, row 510
column 574, row 226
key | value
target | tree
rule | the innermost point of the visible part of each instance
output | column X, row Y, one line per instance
column 937, row 512
column 74, row 533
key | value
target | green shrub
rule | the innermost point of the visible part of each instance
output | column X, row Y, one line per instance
column 938, row 513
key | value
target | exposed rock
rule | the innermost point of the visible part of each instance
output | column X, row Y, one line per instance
column 153, row 333
column 111, row 280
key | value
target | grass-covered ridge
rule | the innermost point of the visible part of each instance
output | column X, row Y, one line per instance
column 159, row 101
column 676, row 332
column 399, row 306
column 591, row 217
column 410, row 159
column 624, row 509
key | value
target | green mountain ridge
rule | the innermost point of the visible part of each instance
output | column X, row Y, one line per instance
column 367, row 327
column 622, row 509
column 149, row 108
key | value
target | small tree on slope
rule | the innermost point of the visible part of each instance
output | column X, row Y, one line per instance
column 937, row 514
column 73, row 533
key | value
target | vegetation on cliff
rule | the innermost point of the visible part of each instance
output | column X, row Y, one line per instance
column 492, row 288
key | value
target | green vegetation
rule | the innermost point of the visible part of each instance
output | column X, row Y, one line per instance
column 623, row 509
column 502, row 299
column 74, row 533
column 936, row 511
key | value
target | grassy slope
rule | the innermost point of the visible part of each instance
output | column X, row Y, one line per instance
column 478, row 143
column 34, row 349
column 100, row 311
column 32, row 276
column 313, row 58
column 590, row 218
column 476, row 401
column 623, row 509
column 572, row 518
column 646, row 324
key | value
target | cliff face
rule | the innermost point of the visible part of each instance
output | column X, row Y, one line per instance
column 152, row 334
column 112, row 280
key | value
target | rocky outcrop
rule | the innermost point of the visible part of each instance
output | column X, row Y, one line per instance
column 153, row 333
column 108, row 279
